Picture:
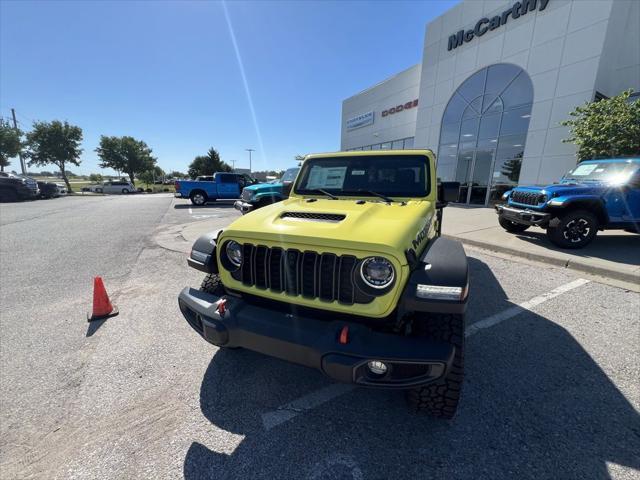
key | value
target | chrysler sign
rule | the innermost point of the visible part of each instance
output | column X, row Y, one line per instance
column 360, row 121
column 485, row 24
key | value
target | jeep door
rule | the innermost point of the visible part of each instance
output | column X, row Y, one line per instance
column 632, row 197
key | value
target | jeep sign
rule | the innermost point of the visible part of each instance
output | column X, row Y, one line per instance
column 485, row 24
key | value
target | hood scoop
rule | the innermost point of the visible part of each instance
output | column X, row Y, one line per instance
column 314, row 217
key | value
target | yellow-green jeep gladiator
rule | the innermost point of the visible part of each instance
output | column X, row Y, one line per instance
column 349, row 275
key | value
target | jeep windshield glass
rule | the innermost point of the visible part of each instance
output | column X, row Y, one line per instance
column 605, row 172
column 290, row 175
column 357, row 176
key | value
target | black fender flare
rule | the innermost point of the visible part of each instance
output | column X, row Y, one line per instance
column 203, row 253
column 443, row 263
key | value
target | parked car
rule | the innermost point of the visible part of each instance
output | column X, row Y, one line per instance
column 595, row 195
column 48, row 190
column 114, row 186
column 219, row 186
column 262, row 194
column 62, row 188
column 16, row 187
column 349, row 275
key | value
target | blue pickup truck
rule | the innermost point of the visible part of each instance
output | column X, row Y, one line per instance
column 595, row 195
column 219, row 186
column 262, row 194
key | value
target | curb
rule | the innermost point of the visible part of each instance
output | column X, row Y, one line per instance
column 559, row 262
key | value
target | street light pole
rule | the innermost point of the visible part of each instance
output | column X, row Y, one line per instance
column 250, row 150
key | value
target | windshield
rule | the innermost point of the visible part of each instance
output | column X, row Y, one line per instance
column 290, row 175
column 606, row 172
column 395, row 176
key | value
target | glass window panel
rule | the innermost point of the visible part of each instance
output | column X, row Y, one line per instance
column 449, row 133
column 464, row 165
column 499, row 76
column 446, row 172
column 519, row 93
column 507, row 170
column 397, row 145
column 385, row 146
column 473, row 86
column 454, row 109
column 489, row 126
column 474, row 108
column 493, row 105
column 375, row 147
column 408, row 143
column 515, row 121
column 469, row 130
column 511, row 146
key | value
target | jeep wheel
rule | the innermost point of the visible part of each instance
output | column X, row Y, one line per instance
column 574, row 229
column 440, row 398
column 125, row 190
column 198, row 198
column 511, row 227
column 213, row 285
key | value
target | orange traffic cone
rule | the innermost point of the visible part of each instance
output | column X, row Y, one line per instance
column 102, row 307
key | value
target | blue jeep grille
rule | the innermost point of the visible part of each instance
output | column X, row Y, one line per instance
column 527, row 198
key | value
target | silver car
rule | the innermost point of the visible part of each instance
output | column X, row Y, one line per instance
column 115, row 186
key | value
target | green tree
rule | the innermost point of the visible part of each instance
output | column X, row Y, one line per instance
column 54, row 143
column 208, row 164
column 607, row 128
column 10, row 143
column 125, row 154
column 176, row 174
column 95, row 178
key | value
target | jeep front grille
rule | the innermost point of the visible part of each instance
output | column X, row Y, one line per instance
column 319, row 217
column 246, row 194
column 323, row 276
column 527, row 198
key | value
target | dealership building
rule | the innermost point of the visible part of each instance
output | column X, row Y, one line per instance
column 497, row 77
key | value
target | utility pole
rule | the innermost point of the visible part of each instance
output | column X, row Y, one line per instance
column 15, row 125
column 233, row 165
column 250, row 150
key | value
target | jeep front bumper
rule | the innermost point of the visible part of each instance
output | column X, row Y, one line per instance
column 315, row 343
column 523, row 216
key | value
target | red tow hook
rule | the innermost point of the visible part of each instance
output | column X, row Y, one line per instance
column 222, row 306
column 344, row 335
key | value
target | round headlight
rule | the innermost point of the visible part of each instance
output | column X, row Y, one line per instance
column 234, row 253
column 377, row 272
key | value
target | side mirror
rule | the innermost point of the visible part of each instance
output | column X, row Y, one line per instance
column 448, row 192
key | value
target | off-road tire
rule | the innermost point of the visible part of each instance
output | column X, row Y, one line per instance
column 511, row 227
column 560, row 234
column 440, row 398
column 125, row 191
column 213, row 285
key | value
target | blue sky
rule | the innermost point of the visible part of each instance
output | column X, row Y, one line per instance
column 167, row 72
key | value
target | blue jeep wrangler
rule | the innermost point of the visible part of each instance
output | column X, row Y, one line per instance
column 595, row 195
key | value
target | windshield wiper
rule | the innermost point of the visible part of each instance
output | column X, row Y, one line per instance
column 371, row 192
column 330, row 195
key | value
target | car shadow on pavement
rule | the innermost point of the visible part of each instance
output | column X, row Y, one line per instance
column 535, row 405
column 615, row 248
column 216, row 205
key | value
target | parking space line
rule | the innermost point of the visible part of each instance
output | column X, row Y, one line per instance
column 312, row 400
column 304, row 403
column 517, row 309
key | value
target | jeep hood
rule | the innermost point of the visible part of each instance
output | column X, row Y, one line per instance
column 566, row 188
column 371, row 227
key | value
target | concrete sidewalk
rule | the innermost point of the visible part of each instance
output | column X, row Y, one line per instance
column 613, row 254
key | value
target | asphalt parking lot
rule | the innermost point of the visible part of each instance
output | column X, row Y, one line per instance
column 551, row 388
